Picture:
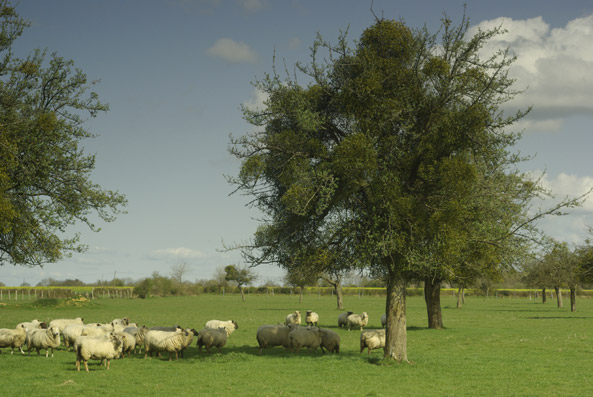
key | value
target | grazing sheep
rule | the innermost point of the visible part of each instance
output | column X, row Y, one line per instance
column 168, row 329
column 304, row 337
column 311, row 318
column 96, row 331
column 13, row 338
column 43, row 339
column 228, row 325
column 190, row 338
column 273, row 335
column 62, row 323
column 343, row 319
column 33, row 324
column 383, row 320
column 158, row 341
column 359, row 320
column 121, row 321
column 293, row 318
column 209, row 337
column 97, row 349
column 128, row 342
column 329, row 340
column 372, row 339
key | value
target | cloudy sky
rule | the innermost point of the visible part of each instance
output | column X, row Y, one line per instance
column 175, row 73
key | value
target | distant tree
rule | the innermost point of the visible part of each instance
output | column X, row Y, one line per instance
column 220, row 277
column 45, row 181
column 300, row 278
column 242, row 276
column 179, row 270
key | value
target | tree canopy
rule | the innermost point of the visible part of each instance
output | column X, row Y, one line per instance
column 45, row 181
column 393, row 158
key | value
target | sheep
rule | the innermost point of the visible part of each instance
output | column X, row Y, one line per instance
column 359, row 320
column 209, row 337
column 128, row 344
column 190, row 338
column 97, row 331
column 372, row 339
column 304, row 337
column 121, row 321
column 230, row 326
column 168, row 329
column 13, row 338
column 33, row 324
column 98, row 349
column 61, row 323
column 293, row 318
column 172, row 342
column 343, row 319
column 329, row 340
column 383, row 320
column 43, row 339
column 311, row 318
column 122, row 327
column 273, row 335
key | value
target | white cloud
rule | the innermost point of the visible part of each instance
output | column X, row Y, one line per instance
column 257, row 101
column 564, row 185
column 554, row 64
column 176, row 254
column 232, row 51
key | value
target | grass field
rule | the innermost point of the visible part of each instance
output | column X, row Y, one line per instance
column 490, row 347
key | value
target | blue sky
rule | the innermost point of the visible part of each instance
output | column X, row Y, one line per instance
column 175, row 73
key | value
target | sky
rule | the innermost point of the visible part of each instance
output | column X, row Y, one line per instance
column 176, row 72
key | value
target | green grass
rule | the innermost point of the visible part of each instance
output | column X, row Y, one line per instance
column 490, row 347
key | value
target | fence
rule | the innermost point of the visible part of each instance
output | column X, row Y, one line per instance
column 33, row 293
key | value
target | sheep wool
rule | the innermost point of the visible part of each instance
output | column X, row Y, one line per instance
column 13, row 338
column 97, row 349
column 212, row 338
column 311, row 318
column 304, row 337
column 293, row 318
column 343, row 319
column 158, row 341
column 330, row 340
column 358, row 320
column 62, row 323
column 273, row 335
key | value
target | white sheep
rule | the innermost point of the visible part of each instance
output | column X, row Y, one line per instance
column 372, row 339
column 228, row 325
column 158, row 341
column 33, row 324
column 311, row 318
column 62, row 323
column 209, row 337
column 343, row 319
column 13, row 338
column 293, row 318
column 128, row 344
column 43, row 339
column 304, row 337
column 359, row 320
column 97, row 349
column 273, row 335
column 330, row 340
column 95, row 331
column 120, row 321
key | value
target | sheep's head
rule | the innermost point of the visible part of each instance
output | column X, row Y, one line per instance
column 126, row 321
column 54, row 331
column 364, row 315
column 235, row 324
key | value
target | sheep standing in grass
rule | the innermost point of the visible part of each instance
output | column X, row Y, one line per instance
column 158, row 341
column 304, row 337
column 189, row 339
column 358, row 320
column 33, row 324
column 97, row 349
column 96, row 331
column 343, row 319
column 43, row 339
column 330, row 340
column 13, row 338
column 62, row 323
column 273, row 335
column 372, row 339
column 293, row 318
column 212, row 338
column 311, row 318
column 128, row 343
column 230, row 326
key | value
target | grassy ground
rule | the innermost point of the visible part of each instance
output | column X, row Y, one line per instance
column 490, row 347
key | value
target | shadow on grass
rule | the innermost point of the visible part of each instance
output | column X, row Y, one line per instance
column 559, row 318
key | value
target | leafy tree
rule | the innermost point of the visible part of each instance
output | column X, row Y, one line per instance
column 395, row 159
column 242, row 276
column 300, row 277
column 44, row 173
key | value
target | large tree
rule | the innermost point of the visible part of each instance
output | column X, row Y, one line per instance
column 393, row 158
column 45, row 181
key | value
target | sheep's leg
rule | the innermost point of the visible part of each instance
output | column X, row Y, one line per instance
column 108, row 361
column 78, row 365
column 86, row 365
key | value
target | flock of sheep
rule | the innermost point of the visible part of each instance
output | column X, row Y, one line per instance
column 106, row 341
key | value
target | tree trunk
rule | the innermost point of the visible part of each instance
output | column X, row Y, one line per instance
column 242, row 293
column 395, row 308
column 432, row 297
column 573, row 300
column 558, row 296
column 460, row 297
column 339, row 295
column 543, row 295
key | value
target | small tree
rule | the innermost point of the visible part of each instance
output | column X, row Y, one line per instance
column 300, row 279
column 242, row 276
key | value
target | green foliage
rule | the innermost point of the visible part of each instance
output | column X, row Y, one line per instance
column 45, row 181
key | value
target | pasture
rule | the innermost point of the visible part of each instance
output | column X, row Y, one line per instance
column 511, row 346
